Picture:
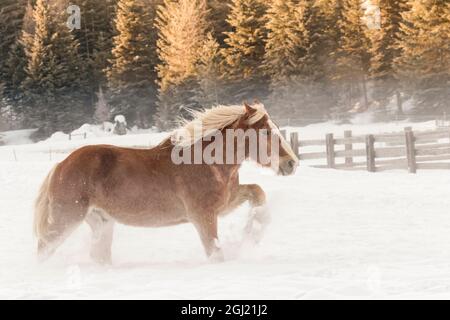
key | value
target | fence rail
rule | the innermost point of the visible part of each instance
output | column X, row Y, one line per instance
column 71, row 135
column 407, row 150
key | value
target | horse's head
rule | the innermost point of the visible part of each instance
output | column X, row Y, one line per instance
column 280, row 156
column 232, row 134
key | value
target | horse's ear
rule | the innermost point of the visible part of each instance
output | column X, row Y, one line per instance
column 249, row 110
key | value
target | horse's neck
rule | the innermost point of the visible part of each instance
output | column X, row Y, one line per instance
column 228, row 169
column 166, row 146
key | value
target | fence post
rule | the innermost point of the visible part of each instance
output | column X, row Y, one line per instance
column 15, row 155
column 348, row 147
column 410, row 150
column 294, row 143
column 370, row 153
column 85, row 135
column 70, row 136
column 330, row 150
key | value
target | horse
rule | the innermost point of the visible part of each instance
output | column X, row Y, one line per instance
column 104, row 184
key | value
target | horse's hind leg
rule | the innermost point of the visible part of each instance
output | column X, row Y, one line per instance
column 102, row 235
column 62, row 221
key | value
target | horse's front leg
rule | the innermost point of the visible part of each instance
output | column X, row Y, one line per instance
column 259, row 216
column 206, row 225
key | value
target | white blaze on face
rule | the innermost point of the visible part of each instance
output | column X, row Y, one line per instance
column 284, row 144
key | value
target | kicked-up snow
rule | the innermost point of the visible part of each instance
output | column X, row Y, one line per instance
column 334, row 235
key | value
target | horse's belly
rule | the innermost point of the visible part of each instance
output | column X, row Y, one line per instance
column 151, row 220
column 155, row 213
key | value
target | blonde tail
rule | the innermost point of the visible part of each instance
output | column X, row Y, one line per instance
column 42, row 208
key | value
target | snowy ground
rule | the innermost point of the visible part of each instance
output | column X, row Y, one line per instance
column 334, row 234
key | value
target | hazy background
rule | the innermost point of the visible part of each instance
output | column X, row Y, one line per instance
column 308, row 61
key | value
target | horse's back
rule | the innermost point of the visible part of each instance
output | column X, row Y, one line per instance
column 101, row 160
column 134, row 186
column 91, row 163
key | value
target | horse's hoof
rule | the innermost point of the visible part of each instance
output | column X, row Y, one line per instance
column 217, row 257
column 102, row 260
column 262, row 215
column 255, row 234
column 259, row 219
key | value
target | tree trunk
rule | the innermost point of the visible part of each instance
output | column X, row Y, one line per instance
column 399, row 102
column 366, row 99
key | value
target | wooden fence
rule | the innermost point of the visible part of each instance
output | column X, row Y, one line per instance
column 71, row 135
column 404, row 150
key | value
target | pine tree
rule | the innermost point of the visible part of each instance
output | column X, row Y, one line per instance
column 11, row 17
column 17, row 60
column 322, row 91
column 352, row 54
column 324, row 36
column 244, row 50
column 15, row 65
column 287, row 40
column 95, row 38
column 296, row 51
column 3, row 125
column 384, row 50
column 208, row 69
column 285, row 53
column 102, row 112
column 131, row 76
column 324, row 39
column 9, row 119
column 182, row 29
column 26, row 38
column 54, row 89
column 218, row 11
column 424, row 63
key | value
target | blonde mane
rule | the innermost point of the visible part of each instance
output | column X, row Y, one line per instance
column 208, row 121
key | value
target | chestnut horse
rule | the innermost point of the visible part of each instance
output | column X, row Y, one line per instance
column 103, row 184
